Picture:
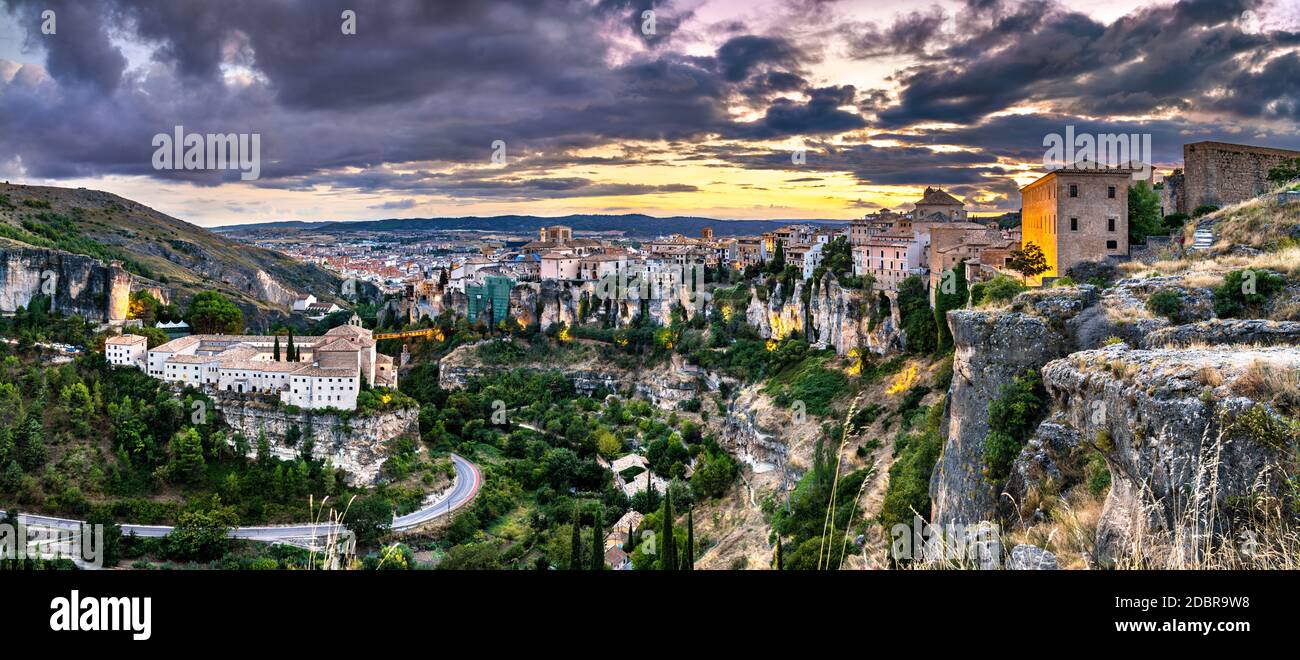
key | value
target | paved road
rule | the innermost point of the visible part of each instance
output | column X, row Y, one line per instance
column 463, row 489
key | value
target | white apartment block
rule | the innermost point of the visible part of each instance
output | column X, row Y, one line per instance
column 329, row 373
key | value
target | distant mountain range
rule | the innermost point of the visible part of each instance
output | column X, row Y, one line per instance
column 632, row 225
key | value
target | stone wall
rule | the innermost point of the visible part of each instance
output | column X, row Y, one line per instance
column 1219, row 173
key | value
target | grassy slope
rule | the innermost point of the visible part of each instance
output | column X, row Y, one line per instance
column 180, row 256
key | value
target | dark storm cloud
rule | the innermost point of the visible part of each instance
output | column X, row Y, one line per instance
column 871, row 165
column 821, row 114
column 80, row 52
column 1020, row 137
column 433, row 82
column 1155, row 58
column 913, row 33
column 741, row 56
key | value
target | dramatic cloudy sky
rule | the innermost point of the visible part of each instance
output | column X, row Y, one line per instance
column 699, row 118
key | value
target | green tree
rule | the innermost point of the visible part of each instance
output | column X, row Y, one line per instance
column 597, row 547
column 370, row 519
column 187, row 455
column 275, row 350
column 1013, row 416
column 1143, row 213
column 917, row 318
column 212, row 313
column 575, row 543
column 1285, row 172
column 668, row 553
column 690, row 539
column 1028, row 260
column 200, row 531
column 111, row 546
column 950, row 295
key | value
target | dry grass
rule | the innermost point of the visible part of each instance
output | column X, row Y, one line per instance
column 1069, row 531
column 1260, row 222
column 1210, row 376
column 1262, row 534
column 1205, row 269
column 1276, row 384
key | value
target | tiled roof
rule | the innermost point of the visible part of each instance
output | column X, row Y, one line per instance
column 126, row 340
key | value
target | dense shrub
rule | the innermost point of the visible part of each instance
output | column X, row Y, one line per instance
column 1245, row 291
column 1013, row 416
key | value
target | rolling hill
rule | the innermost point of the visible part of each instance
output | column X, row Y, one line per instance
column 175, row 257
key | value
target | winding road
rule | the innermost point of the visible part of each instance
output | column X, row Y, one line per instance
column 463, row 489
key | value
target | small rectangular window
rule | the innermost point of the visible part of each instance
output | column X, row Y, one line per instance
column 1074, row 224
column 1112, row 245
column 1074, row 190
column 1110, row 192
column 1110, row 224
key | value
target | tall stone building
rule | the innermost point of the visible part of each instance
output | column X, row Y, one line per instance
column 1219, row 173
column 1076, row 215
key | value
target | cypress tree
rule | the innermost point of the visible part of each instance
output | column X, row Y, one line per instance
column 779, row 560
column 943, row 302
column 293, row 356
column 597, row 548
column 668, row 560
column 276, row 350
column 575, row 545
column 690, row 539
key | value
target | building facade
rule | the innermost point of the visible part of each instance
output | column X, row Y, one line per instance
column 329, row 372
column 1076, row 215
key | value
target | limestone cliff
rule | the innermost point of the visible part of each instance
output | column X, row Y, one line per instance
column 355, row 444
column 77, row 284
column 835, row 317
column 1183, row 445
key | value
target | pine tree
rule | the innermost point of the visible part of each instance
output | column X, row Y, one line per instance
column 597, row 549
column 690, row 539
column 668, row 558
column 276, row 351
column 575, row 545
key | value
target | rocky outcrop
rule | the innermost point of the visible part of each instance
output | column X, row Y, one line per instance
column 666, row 387
column 356, row 443
column 76, row 284
column 1049, row 463
column 752, row 432
column 1031, row 558
column 834, row 317
column 1181, row 444
column 1257, row 332
column 991, row 348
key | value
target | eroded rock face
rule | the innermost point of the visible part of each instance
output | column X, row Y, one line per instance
column 357, row 445
column 991, row 348
column 77, row 284
column 665, row 387
column 1049, row 463
column 1166, row 423
column 835, row 317
column 1227, row 331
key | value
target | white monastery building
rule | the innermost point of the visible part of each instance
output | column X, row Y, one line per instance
column 328, row 374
